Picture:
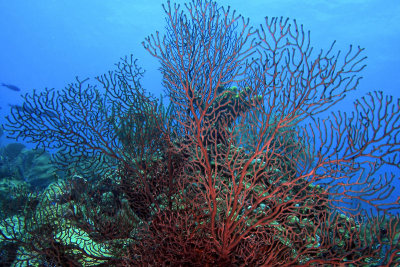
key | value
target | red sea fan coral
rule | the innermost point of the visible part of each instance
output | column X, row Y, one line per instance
column 241, row 169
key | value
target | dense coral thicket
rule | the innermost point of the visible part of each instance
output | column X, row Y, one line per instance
column 239, row 170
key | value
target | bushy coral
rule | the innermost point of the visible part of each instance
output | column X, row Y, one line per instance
column 236, row 171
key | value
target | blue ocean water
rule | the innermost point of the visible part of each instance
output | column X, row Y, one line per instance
column 48, row 43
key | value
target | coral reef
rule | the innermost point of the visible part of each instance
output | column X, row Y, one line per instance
column 33, row 167
column 240, row 169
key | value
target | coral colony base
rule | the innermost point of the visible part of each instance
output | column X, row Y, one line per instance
column 240, row 169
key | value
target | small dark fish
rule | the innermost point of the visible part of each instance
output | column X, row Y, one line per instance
column 14, row 106
column 23, row 109
column 11, row 87
column 28, row 110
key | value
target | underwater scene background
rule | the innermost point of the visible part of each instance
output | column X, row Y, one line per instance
column 136, row 134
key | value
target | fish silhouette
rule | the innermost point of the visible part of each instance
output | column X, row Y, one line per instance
column 11, row 87
column 24, row 108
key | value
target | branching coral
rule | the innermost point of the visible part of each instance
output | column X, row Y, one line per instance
column 238, row 171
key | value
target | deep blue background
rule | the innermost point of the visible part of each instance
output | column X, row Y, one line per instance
column 46, row 43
